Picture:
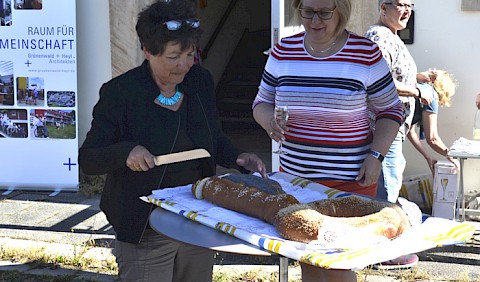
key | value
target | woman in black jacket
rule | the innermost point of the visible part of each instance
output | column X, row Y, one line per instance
column 165, row 105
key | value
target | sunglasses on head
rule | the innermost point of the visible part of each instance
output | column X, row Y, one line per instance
column 177, row 24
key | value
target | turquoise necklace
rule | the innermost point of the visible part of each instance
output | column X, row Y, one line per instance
column 170, row 101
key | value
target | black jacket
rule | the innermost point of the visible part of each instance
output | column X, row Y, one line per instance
column 126, row 116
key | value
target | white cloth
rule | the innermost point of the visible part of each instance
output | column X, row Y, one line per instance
column 466, row 146
column 347, row 248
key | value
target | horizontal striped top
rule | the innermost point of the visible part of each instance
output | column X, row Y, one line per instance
column 329, row 100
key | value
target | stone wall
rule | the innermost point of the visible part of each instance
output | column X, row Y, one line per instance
column 126, row 52
column 364, row 14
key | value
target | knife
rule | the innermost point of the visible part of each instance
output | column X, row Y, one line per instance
column 181, row 156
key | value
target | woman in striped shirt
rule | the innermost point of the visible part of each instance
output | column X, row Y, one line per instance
column 330, row 79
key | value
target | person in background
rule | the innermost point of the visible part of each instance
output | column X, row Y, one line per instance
column 394, row 16
column 426, row 116
column 45, row 129
column 37, row 4
column 35, row 95
column 28, row 4
column 165, row 105
column 38, row 125
column 328, row 77
column 28, row 97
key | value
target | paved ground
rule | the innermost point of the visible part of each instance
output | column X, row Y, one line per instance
column 67, row 225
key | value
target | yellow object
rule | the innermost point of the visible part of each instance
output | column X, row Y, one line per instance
column 476, row 134
column 418, row 189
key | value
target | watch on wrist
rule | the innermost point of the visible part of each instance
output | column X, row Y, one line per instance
column 377, row 155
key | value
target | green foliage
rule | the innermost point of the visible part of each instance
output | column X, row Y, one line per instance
column 68, row 132
column 91, row 184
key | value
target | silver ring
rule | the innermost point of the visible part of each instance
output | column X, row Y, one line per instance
column 271, row 133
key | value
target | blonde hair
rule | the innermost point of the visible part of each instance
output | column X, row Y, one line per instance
column 343, row 7
column 445, row 86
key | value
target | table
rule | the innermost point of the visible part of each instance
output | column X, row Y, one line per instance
column 460, row 206
column 184, row 230
column 180, row 202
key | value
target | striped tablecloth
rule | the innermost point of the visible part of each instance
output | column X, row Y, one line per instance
column 350, row 248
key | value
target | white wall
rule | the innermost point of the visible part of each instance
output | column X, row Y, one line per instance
column 447, row 38
column 94, row 60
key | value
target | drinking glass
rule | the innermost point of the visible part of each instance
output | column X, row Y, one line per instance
column 444, row 183
column 281, row 116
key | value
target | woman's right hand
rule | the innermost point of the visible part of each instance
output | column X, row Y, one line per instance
column 264, row 114
column 276, row 132
column 140, row 159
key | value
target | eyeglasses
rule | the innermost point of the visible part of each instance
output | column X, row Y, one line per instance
column 402, row 6
column 322, row 14
column 177, row 24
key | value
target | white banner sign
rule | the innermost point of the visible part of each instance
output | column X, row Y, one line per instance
column 38, row 95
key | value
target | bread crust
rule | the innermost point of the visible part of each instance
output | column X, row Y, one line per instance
column 303, row 222
column 247, row 200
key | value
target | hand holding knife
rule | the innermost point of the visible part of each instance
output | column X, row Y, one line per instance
column 140, row 159
column 247, row 160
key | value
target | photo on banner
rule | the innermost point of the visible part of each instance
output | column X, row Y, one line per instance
column 38, row 95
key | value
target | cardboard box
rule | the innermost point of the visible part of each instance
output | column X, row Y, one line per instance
column 419, row 189
column 445, row 190
column 444, row 210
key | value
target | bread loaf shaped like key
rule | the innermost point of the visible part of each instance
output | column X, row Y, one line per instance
column 303, row 222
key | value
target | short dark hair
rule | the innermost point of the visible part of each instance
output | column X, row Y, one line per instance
column 154, row 35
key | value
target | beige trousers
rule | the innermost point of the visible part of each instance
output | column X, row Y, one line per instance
column 159, row 259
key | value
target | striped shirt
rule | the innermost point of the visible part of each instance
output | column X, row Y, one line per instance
column 328, row 101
